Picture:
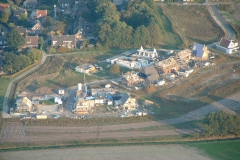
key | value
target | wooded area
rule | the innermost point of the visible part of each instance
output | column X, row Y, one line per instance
column 138, row 25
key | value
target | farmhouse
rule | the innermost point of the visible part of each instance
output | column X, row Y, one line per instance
column 200, row 51
column 83, row 106
column 167, row 66
column 126, row 102
column 227, row 46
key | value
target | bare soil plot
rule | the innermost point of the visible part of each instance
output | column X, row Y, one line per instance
column 156, row 152
column 13, row 132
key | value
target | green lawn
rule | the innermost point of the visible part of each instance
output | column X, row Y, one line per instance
column 3, row 87
column 220, row 150
column 47, row 102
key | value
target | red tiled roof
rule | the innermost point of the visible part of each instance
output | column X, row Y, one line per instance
column 41, row 13
column 225, row 43
column 4, row 6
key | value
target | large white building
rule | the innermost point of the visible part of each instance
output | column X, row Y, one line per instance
column 227, row 46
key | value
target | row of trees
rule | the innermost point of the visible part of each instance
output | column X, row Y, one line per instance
column 137, row 25
column 13, row 63
column 221, row 124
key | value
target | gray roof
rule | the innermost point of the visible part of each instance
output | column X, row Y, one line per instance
column 151, row 73
column 60, row 39
column 198, row 49
column 21, row 29
column 123, row 99
column 129, row 52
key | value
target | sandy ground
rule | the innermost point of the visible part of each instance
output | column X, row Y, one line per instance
column 156, row 152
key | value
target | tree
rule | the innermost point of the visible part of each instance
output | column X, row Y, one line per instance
column 59, row 27
column 15, row 40
column 5, row 16
column 22, row 19
column 18, row 2
column 115, row 69
column 41, row 41
column 49, row 21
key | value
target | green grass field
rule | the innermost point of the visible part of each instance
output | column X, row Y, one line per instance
column 220, row 150
column 3, row 87
column 47, row 102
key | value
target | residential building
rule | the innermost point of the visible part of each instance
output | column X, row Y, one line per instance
column 126, row 102
column 23, row 104
column 64, row 3
column 17, row 12
column 30, row 4
column 200, row 51
column 68, row 41
column 86, row 68
column 102, row 92
column 184, row 55
column 4, row 6
column 32, row 41
column 3, row 42
column 227, row 46
column 37, row 28
column 147, row 53
column 84, row 106
column 23, row 31
column 131, row 78
column 167, row 66
column 150, row 75
column 38, row 14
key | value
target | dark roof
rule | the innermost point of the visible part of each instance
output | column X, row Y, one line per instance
column 198, row 49
column 32, row 40
column 61, row 38
column 65, row 1
column 129, row 52
column 151, row 73
column 21, row 29
column 124, row 98
column 224, row 43
column 19, row 11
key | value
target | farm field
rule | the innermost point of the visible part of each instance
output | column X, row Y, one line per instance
column 186, row 22
column 170, row 152
column 221, row 150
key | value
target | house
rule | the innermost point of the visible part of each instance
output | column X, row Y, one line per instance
column 200, row 51
column 67, row 11
column 83, row 106
column 147, row 53
column 102, row 92
column 4, row 6
column 150, row 75
column 131, row 78
column 184, row 55
column 23, row 104
column 3, row 42
column 126, row 102
column 23, row 31
column 227, row 46
column 167, row 66
column 85, row 68
column 30, row 4
column 17, row 12
column 64, row 3
column 37, row 28
column 68, row 41
column 37, row 14
column 32, row 41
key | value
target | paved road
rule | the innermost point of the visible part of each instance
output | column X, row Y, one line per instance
column 230, row 33
column 5, row 113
